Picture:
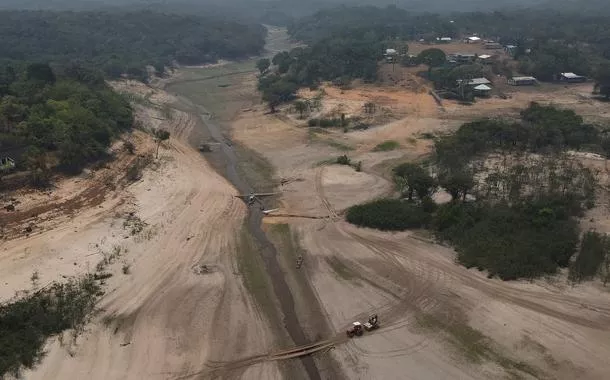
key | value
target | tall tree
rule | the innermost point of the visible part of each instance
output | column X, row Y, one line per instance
column 263, row 65
column 432, row 58
column 412, row 179
column 602, row 80
column 160, row 136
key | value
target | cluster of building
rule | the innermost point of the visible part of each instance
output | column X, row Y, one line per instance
column 483, row 86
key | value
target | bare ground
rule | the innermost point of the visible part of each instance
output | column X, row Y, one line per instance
column 177, row 297
column 439, row 320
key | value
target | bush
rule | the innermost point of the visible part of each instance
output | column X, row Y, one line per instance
column 386, row 146
column 593, row 251
column 388, row 215
column 325, row 122
column 129, row 147
column 520, row 241
column 344, row 160
column 26, row 323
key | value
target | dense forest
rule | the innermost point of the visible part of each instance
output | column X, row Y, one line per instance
column 345, row 43
column 516, row 195
column 54, row 119
column 124, row 43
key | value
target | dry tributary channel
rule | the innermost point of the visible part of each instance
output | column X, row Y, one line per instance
column 226, row 160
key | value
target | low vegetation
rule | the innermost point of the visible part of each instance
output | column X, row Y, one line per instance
column 593, row 258
column 515, row 196
column 387, row 146
column 26, row 323
column 388, row 215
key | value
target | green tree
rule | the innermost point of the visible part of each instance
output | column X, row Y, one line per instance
column 301, row 107
column 277, row 92
column 160, row 136
column 432, row 58
column 458, row 184
column 282, row 60
column 40, row 72
column 412, row 179
column 602, row 80
column 263, row 65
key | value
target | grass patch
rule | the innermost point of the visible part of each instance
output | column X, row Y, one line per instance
column 387, row 146
column 474, row 345
column 255, row 168
column 339, row 145
column 26, row 323
column 252, row 268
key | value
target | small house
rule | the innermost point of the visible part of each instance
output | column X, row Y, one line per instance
column 482, row 90
column 572, row 78
column 473, row 40
column 390, row 55
column 492, row 45
column 522, row 81
column 510, row 49
column 6, row 164
column 475, row 81
column 443, row 40
column 463, row 57
column 485, row 59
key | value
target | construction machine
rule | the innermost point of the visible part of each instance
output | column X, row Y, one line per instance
column 372, row 324
column 355, row 329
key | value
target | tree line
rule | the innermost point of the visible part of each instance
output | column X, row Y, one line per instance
column 62, row 119
column 124, row 43
column 561, row 42
column 515, row 196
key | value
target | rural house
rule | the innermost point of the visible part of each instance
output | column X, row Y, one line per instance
column 492, row 45
column 463, row 57
column 522, row 81
column 473, row 40
column 475, row 82
column 572, row 78
column 482, row 90
column 390, row 55
column 485, row 59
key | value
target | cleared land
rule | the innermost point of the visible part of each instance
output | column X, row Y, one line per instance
column 439, row 320
column 193, row 302
column 182, row 300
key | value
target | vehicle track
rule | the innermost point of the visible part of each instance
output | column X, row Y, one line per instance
column 332, row 214
column 524, row 298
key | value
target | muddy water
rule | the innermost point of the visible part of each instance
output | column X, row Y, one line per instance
column 226, row 160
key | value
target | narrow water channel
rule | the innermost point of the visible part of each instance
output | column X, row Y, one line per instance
column 227, row 160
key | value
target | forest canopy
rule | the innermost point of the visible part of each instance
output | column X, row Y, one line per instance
column 57, row 119
column 515, row 195
column 120, row 43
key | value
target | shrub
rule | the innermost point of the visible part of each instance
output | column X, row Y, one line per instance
column 26, row 323
column 593, row 251
column 519, row 241
column 388, row 215
column 386, row 146
column 129, row 147
column 344, row 160
column 325, row 122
